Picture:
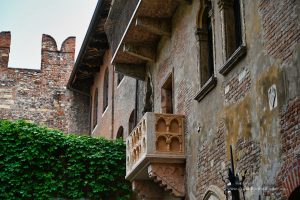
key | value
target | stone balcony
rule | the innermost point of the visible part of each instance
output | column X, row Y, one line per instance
column 155, row 151
column 134, row 29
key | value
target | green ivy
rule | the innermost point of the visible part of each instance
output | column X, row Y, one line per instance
column 41, row 163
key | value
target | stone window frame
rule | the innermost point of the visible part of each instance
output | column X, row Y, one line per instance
column 95, row 109
column 169, row 78
column 211, row 83
column 229, row 61
column 105, row 89
column 214, row 190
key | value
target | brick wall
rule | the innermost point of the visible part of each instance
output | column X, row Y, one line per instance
column 288, row 176
column 281, row 27
column 212, row 162
column 41, row 95
column 237, row 86
column 237, row 110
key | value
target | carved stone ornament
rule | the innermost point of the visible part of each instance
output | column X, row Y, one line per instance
column 170, row 176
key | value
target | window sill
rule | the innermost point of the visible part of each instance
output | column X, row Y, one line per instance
column 206, row 88
column 234, row 58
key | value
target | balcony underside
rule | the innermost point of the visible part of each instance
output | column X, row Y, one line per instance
column 134, row 41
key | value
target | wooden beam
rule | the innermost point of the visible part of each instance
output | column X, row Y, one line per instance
column 156, row 26
column 143, row 52
column 134, row 71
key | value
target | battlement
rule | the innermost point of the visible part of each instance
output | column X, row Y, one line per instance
column 40, row 95
column 49, row 44
column 5, row 39
column 49, row 51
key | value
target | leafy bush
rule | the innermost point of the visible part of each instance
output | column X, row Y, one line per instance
column 40, row 163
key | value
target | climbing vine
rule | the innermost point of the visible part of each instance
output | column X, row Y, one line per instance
column 41, row 163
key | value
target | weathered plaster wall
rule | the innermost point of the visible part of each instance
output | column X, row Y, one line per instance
column 121, row 101
column 41, row 95
column 238, row 111
column 254, row 107
column 125, row 95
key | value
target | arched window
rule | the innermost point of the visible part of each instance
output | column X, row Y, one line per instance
column 205, row 34
column 206, row 49
column 95, row 108
column 120, row 133
column 105, row 89
column 233, row 44
column 132, row 122
column 167, row 95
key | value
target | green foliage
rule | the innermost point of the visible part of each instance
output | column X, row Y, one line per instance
column 40, row 163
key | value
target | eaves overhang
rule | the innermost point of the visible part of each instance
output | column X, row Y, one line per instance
column 91, row 53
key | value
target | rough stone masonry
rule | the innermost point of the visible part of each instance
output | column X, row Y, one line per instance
column 41, row 96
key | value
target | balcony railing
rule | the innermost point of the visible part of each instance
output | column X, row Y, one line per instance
column 155, row 151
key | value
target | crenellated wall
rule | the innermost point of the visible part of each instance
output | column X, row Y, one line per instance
column 41, row 95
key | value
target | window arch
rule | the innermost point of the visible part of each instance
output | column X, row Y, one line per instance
column 131, row 122
column 214, row 193
column 206, row 48
column 205, row 34
column 105, row 89
column 120, row 133
column 295, row 194
column 95, row 108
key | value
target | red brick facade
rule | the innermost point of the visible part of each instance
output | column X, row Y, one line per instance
column 41, row 95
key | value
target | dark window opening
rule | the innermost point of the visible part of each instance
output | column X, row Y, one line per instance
column 205, row 34
column 237, row 21
column 132, row 122
column 120, row 133
column 167, row 95
column 105, row 90
column 95, row 108
column 210, row 44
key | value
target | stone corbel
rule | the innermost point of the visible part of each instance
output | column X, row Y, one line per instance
column 170, row 176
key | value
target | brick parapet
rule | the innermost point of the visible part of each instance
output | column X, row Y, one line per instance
column 41, row 96
column 5, row 39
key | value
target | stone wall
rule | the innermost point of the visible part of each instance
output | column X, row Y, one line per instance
column 253, row 107
column 41, row 95
column 121, row 102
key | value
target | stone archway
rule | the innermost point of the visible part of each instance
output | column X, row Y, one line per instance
column 291, row 183
column 295, row 194
column 214, row 193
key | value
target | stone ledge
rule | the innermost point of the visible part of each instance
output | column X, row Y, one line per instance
column 234, row 58
column 206, row 88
